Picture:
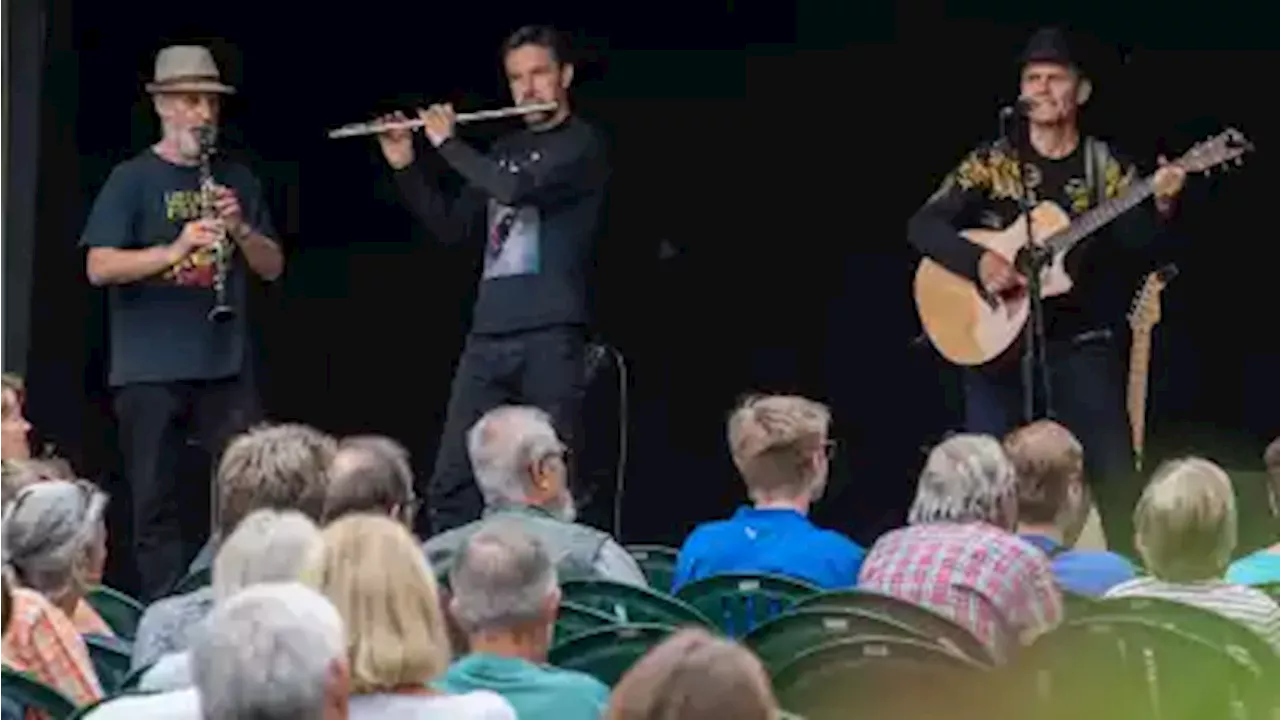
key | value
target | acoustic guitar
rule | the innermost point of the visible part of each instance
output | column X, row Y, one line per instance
column 970, row 327
column 1143, row 318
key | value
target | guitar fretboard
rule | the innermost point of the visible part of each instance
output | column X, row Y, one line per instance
column 1090, row 222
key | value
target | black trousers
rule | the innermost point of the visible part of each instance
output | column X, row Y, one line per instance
column 543, row 368
column 1087, row 384
column 155, row 422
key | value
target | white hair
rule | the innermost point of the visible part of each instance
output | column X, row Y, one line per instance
column 967, row 478
column 503, row 443
column 268, row 653
column 501, row 579
column 48, row 528
column 267, row 546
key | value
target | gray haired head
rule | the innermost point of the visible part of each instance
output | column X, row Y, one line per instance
column 268, row 652
column 267, row 546
column 967, row 478
column 503, row 444
column 48, row 528
column 502, row 578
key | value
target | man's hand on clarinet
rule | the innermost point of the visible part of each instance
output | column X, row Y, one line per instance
column 195, row 235
column 229, row 210
column 397, row 144
column 438, row 122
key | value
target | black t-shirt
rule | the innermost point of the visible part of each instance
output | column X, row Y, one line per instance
column 983, row 192
column 541, row 195
column 160, row 331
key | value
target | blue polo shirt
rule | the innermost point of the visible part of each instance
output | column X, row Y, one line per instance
column 1084, row 572
column 775, row 541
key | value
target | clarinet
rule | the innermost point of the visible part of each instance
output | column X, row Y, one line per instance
column 221, row 311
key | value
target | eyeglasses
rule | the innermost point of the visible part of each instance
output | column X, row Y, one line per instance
column 830, row 447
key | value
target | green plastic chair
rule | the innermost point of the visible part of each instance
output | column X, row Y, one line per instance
column 119, row 611
column 31, row 694
column 658, row 563
column 574, row 619
column 628, row 604
column 928, row 625
column 738, row 602
column 1077, row 605
column 788, row 636
column 882, row 677
column 606, row 654
column 131, row 681
column 110, row 656
column 84, row 710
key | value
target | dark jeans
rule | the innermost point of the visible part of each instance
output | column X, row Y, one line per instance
column 1087, row 383
column 541, row 367
column 155, row 422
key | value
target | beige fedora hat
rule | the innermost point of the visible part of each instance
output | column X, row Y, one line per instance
column 187, row 68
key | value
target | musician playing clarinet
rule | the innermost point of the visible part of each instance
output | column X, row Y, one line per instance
column 535, row 202
column 174, row 372
column 1077, row 172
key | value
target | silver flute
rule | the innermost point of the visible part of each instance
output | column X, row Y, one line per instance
column 373, row 128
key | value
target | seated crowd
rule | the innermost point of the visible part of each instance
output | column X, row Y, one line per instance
column 319, row 602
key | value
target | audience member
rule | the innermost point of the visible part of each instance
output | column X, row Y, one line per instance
column 1263, row 567
column 781, row 448
column 370, row 567
column 370, row 474
column 283, row 467
column 41, row 640
column 958, row 555
column 1186, row 531
column 17, row 474
column 55, row 539
column 694, row 676
column 15, row 429
column 505, row 597
column 1054, row 503
column 266, row 547
column 274, row 651
column 519, row 464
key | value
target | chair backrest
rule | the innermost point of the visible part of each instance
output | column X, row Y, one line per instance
column 31, row 694
column 632, row 604
column 1075, row 604
column 119, row 611
column 1272, row 589
column 574, row 619
column 1216, row 629
column 111, row 657
column 1129, row 669
column 607, row 653
column 876, row 677
column 927, row 624
column 738, row 602
column 788, row 636
column 658, row 563
column 134, row 678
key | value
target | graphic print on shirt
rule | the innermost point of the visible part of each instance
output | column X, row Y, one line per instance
column 513, row 244
column 196, row 269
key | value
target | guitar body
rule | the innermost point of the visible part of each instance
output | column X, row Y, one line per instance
column 959, row 321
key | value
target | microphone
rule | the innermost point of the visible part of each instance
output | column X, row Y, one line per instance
column 1023, row 106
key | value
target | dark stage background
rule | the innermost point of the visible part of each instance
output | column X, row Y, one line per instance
column 766, row 158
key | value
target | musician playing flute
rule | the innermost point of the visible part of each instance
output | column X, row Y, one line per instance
column 1077, row 172
column 535, row 202
column 150, row 243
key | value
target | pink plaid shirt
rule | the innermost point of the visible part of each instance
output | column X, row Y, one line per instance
column 989, row 581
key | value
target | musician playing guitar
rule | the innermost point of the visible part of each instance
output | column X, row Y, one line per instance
column 1076, row 172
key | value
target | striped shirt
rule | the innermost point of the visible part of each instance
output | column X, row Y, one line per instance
column 42, row 641
column 1248, row 606
column 991, row 582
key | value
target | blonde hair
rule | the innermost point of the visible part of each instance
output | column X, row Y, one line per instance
column 772, row 439
column 373, row 571
column 1048, row 459
column 1186, row 521
column 282, row 467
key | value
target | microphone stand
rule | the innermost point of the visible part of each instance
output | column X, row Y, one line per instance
column 1030, row 261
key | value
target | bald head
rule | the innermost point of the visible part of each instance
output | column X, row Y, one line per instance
column 370, row 474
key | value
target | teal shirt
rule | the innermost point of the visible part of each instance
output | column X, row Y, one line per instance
column 1260, row 568
column 537, row 692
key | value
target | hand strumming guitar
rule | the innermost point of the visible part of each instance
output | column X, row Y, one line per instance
column 998, row 276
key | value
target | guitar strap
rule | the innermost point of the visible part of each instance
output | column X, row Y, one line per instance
column 1096, row 155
